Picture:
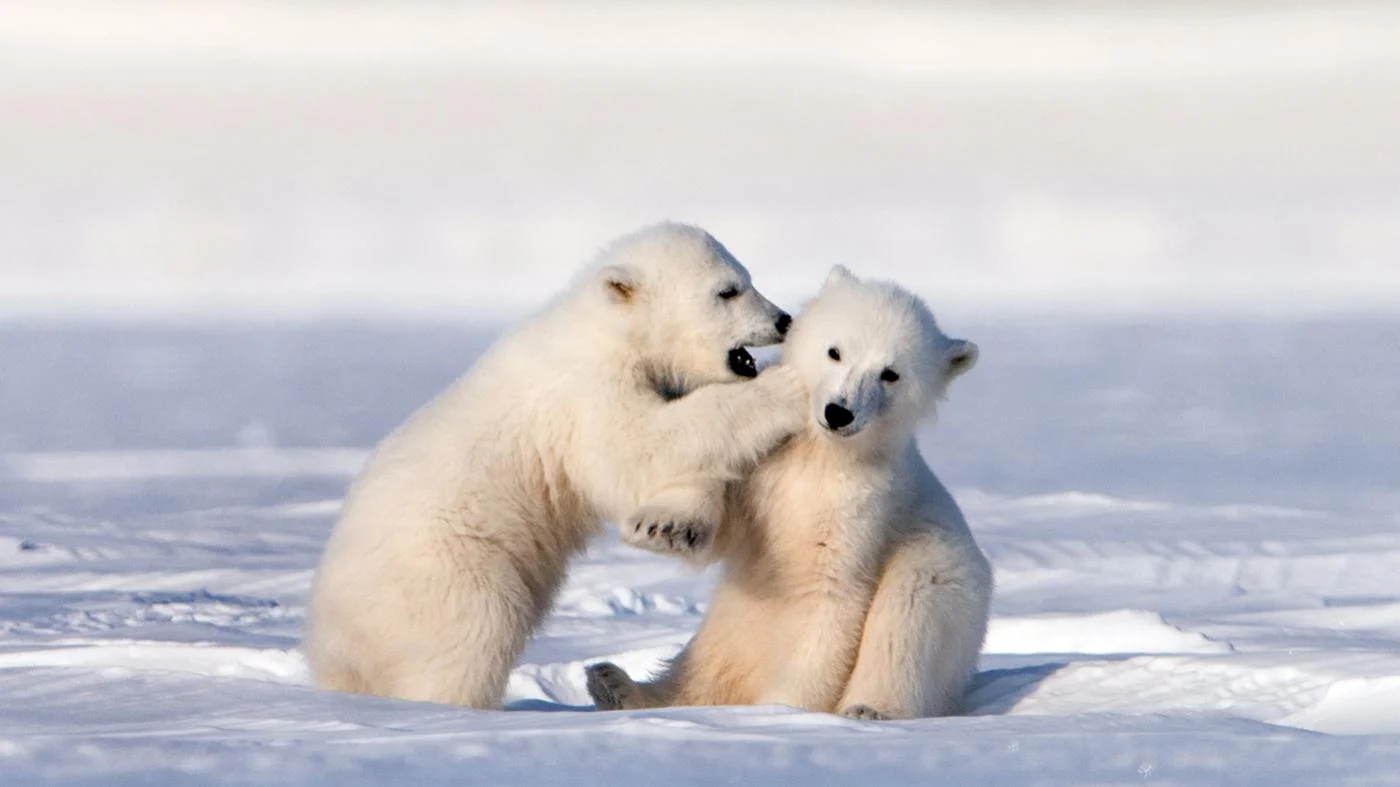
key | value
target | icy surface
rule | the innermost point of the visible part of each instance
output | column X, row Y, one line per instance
column 1196, row 549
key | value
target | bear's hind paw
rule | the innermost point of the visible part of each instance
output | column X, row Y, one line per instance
column 609, row 685
column 865, row 713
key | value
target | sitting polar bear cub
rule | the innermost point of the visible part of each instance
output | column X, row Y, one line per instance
column 851, row 582
column 455, row 537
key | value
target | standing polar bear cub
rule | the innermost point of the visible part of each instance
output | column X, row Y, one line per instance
column 456, row 536
column 851, row 582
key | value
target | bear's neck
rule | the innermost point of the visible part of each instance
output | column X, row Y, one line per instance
column 659, row 379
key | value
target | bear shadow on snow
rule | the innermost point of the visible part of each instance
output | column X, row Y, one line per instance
column 996, row 692
column 993, row 692
column 546, row 706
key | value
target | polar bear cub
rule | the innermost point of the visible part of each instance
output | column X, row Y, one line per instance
column 851, row 582
column 456, row 536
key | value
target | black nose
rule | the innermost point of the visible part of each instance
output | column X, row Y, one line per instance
column 784, row 322
column 838, row 416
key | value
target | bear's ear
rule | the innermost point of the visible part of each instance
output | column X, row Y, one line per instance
column 960, row 356
column 838, row 275
column 619, row 283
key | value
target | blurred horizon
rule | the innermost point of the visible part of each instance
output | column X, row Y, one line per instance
column 459, row 160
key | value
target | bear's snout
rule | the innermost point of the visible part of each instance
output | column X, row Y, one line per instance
column 837, row 417
column 784, row 322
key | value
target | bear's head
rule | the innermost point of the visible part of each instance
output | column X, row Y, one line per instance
column 874, row 359
column 689, row 308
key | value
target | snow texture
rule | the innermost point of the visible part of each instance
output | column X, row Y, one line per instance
column 1221, row 606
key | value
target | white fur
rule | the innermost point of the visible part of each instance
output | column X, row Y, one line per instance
column 455, row 537
column 851, row 582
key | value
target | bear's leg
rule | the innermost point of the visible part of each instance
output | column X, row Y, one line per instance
column 613, row 689
column 679, row 520
column 719, row 429
column 817, row 648
column 458, row 641
column 923, row 633
column 336, row 675
column 346, row 632
column 676, row 457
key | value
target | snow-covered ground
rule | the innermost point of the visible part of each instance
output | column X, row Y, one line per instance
column 1193, row 525
column 240, row 241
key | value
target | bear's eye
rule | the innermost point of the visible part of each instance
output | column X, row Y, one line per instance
column 834, row 354
column 728, row 293
column 889, row 375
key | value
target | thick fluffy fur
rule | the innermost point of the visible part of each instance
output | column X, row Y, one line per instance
column 455, row 537
column 851, row 582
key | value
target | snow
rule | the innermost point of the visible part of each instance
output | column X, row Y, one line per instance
column 1147, row 626
column 239, row 242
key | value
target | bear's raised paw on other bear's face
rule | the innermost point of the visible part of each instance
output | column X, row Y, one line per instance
column 787, row 386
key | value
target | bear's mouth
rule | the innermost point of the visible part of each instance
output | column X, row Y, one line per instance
column 741, row 363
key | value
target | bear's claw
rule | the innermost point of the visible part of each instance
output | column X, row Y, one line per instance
column 659, row 532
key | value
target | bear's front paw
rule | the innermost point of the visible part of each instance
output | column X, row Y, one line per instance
column 789, row 396
column 865, row 713
column 786, row 384
column 663, row 531
column 608, row 685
